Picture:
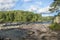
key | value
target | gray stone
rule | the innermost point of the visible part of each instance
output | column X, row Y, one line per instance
column 29, row 32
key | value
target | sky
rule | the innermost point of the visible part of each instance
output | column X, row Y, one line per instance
column 39, row 6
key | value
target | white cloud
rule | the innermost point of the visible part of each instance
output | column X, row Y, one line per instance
column 27, row 0
column 35, row 6
column 32, row 8
column 39, row 10
column 7, row 4
column 45, row 9
column 39, row 3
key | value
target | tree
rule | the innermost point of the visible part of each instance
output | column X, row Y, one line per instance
column 55, row 6
column 19, row 16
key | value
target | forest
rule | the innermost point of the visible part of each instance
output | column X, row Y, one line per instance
column 21, row 16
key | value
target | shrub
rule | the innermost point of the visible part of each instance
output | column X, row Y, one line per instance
column 55, row 26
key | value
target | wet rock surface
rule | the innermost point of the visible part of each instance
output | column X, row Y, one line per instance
column 29, row 32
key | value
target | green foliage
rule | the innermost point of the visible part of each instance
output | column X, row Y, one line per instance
column 48, row 18
column 19, row 16
column 55, row 5
column 22, row 16
column 55, row 26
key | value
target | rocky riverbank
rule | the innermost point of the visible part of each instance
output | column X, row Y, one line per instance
column 24, row 25
column 28, row 32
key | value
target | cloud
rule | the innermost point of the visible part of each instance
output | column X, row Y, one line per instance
column 45, row 9
column 32, row 8
column 39, row 3
column 7, row 4
column 39, row 10
column 37, row 6
column 27, row 0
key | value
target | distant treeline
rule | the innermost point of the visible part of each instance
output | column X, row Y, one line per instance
column 19, row 16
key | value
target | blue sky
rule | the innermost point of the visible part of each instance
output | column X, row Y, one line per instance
column 26, row 4
column 39, row 6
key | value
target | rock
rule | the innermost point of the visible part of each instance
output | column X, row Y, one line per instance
column 30, row 32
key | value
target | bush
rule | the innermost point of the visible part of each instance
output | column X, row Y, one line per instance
column 55, row 26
